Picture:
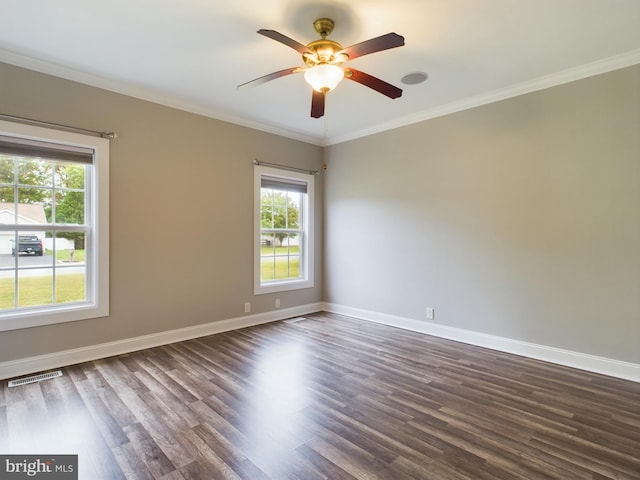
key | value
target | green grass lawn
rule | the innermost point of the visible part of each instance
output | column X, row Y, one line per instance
column 285, row 266
column 36, row 291
column 63, row 255
column 264, row 250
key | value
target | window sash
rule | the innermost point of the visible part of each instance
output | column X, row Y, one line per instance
column 55, row 225
column 54, row 145
column 293, row 183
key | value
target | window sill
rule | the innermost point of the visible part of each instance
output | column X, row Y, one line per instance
column 48, row 316
column 282, row 286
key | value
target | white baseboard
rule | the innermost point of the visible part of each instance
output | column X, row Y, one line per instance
column 592, row 363
column 582, row 361
column 39, row 363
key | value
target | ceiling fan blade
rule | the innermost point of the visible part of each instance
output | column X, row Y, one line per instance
column 370, row 81
column 383, row 42
column 289, row 42
column 272, row 76
column 317, row 104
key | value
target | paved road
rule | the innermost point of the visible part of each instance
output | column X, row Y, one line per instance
column 8, row 261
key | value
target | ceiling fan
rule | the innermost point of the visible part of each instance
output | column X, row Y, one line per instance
column 324, row 58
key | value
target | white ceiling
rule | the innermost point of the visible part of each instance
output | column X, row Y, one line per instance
column 191, row 54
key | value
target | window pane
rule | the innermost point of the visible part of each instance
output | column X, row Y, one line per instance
column 266, row 196
column 293, row 210
column 266, row 216
column 267, row 255
column 279, row 217
column 7, row 207
column 70, row 285
column 268, row 243
column 267, row 270
column 33, row 171
column 71, row 268
column 6, row 171
column 68, row 248
column 279, row 251
column 34, row 205
column 49, row 266
column 294, row 199
column 69, row 207
column 69, row 175
column 293, row 266
column 35, row 287
column 293, row 243
column 35, row 272
column 282, row 260
column 7, row 285
column 287, row 267
column 29, row 248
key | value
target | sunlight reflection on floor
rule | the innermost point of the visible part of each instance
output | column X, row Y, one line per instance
column 279, row 392
column 280, row 380
column 36, row 433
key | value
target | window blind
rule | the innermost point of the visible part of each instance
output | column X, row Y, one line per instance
column 285, row 184
column 39, row 149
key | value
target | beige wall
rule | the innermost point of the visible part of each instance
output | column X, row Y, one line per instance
column 181, row 212
column 519, row 219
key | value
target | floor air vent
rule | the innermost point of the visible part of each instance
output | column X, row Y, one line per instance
column 35, row 378
column 294, row 320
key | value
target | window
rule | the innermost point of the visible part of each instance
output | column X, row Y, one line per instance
column 54, row 230
column 283, row 239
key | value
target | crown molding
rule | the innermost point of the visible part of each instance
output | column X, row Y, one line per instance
column 616, row 62
column 143, row 93
column 610, row 64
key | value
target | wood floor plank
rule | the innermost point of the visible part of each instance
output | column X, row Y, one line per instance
column 329, row 397
column 131, row 463
column 107, row 395
column 148, row 450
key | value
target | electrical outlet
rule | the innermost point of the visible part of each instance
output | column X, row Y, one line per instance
column 247, row 307
column 277, row 303
column 430, row 313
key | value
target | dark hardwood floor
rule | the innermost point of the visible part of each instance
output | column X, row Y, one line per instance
column 328, row 397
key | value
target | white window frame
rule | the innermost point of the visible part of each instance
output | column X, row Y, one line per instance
column 306, row 279
column 97, row 242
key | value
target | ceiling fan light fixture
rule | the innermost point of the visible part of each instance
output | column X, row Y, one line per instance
column 324, row 77
column 323, row 59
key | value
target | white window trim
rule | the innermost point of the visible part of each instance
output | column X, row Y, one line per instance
column 307, row 260
column 98, row 266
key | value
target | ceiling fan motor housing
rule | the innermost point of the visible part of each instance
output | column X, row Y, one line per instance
column 323, row 50
column 324, row 26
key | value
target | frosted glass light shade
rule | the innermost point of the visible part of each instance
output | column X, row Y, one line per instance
column 324, row 77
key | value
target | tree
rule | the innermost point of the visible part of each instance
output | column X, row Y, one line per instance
column 70, row 199
column 29, row 172
column 279, row 210
column 70, row 203
column 36, row 179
